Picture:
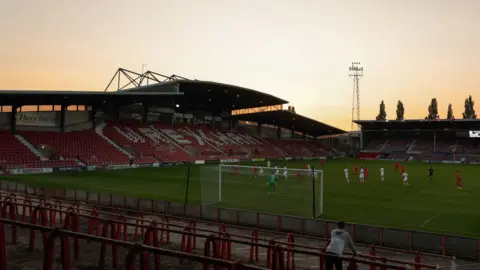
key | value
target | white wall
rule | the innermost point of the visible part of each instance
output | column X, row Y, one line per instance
column 80, row 126
column 77, row 121
column 75, row 117
column 5, row 121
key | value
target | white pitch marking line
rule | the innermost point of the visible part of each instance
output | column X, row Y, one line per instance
column 430, row 219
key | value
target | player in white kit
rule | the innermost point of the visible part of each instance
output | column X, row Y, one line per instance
column 268, row 163
column 285, row 171
column 260, row 171
column 382, row 174
column 362, row 175
column 345, row 171
column 405, row 179
column 309, row 170
column 277, row 172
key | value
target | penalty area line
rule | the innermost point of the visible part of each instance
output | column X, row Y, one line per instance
column 430, row 219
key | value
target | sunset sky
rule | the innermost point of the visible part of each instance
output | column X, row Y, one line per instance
column 299, row 50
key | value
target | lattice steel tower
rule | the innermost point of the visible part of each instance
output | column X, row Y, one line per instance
column 356, row 73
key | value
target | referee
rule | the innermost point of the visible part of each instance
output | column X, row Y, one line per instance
column 335, row 249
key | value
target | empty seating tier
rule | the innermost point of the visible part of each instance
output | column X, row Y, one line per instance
column 87, row 146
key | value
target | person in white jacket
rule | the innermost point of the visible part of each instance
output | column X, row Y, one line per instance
column 339, row 238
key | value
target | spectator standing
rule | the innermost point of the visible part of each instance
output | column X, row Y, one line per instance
column 339, row 238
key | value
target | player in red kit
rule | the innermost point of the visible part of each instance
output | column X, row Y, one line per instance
column 355, row 169
column 254, row 169
column 323, row 162
column 366, row 173
column 403, row 169
column 235, row 169
column 305, row 166
column 459, row 180
column 396, row 166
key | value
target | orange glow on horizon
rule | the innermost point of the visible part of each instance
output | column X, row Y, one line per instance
column 297, row 50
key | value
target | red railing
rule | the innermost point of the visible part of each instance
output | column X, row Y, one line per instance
column 188, row 234
column 134, row 249
column 254, row 251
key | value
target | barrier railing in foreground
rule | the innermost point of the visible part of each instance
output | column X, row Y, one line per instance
column 51, row 234
column 388, row 239
column 278, row 257
column 188, row 233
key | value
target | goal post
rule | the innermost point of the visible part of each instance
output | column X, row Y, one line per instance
column 298, row 192
column 466, row 158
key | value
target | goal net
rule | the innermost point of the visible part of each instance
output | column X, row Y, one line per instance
column 465, row 158
column 297, row 192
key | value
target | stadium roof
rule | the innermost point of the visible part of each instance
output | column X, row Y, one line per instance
column 199, row 95
column 427, row 124
column 25, row 97
column 288, row 119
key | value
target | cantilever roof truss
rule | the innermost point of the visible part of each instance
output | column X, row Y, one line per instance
column 199, row 95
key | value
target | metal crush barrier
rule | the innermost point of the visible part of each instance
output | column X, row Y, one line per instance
column 218, row 244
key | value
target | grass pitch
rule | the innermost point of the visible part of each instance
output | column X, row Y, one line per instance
column 426, row 205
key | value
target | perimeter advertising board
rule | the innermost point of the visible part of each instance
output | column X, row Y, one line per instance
column 38, row 119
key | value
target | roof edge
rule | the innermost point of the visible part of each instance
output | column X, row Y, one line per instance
column 282, row 101
column 413, row 121
column 75, row 92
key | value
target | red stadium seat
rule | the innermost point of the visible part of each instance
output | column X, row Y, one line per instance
column 87, row 146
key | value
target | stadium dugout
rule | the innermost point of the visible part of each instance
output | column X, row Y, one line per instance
column 146, row 121
column 434, row 140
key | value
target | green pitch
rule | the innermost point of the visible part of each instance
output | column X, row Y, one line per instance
column 426, row 205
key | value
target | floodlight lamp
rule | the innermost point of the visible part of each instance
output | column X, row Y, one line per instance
column 238, row 96
column 177, row 105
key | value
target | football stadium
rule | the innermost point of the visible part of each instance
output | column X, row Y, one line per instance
column 188, row 157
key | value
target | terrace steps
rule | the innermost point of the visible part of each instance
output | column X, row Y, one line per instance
column 99, row 131
column 30, row 147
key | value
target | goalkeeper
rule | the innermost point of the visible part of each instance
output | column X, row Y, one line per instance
column 272, row 182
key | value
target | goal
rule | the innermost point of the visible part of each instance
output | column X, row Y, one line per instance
column 465, row 158
column 298, row 192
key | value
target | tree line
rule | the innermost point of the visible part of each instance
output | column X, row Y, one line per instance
column 468, row 113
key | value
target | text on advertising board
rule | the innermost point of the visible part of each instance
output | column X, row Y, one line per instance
column 43, row 119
